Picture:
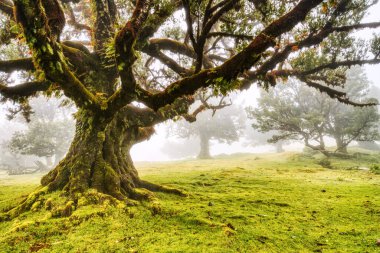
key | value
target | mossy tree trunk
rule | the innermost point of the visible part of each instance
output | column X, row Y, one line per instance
column 99, row 158
column 89, row 163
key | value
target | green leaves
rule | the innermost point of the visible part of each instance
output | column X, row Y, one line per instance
column 221, row 86
column 375, row 46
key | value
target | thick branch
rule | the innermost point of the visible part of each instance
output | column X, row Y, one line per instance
column 48, row 55
column 73, row 22
column 209, row 22
column 146, row 117
column 23, row 90
column 154, row 21
column 172, row 64
column 311, row 40
column 14, row 65
column 176, row 47
column 237, row 64
column 125, row 55
column 103, row 27
column 6, row 7
column 173, row 46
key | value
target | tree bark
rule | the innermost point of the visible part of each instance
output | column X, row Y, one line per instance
column 341, row 147
column 205, row 146
column 99, row 158
column 99, row 162
column 320, row 147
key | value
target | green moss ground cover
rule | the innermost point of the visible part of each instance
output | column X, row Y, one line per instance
column 239, row 203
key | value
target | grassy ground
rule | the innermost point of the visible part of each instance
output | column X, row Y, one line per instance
column 240, row 203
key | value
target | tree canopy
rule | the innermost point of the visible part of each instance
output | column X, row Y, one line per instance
column 128, row 65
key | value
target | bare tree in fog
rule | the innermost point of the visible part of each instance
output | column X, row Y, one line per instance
column 224, row 125
column 48, row 133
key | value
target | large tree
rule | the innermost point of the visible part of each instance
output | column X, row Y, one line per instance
column 114, row 56
column 347, row 123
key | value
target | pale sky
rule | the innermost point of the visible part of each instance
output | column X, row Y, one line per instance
column 373, row 72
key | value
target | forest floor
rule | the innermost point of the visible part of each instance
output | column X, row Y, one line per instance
column 239, row 203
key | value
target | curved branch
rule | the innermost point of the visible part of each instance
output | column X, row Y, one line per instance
column 171, row 45
column 152, row 23
column 18, row 64
column 172, row 64
column 72, row 21
column 6, row 7
column 146, row 117
column 235, row 65
column 162, row 12
column 339, row 95
column 23, row 90
column 48, row 55
column 175, row 47
column 125, row 42
column 208, row 23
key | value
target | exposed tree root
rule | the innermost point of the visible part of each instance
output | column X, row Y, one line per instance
column 65, row 204
column 160, row 188
column 98, row 169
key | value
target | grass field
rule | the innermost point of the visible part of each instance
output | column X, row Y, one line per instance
column 240, row 203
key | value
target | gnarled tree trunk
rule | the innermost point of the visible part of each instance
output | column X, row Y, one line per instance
column 99, row 158
column 341, row 147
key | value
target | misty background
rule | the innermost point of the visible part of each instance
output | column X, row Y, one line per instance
column 166, row 143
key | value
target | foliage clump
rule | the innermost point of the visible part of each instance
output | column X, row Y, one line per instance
column 325, row 163
column 375, row 168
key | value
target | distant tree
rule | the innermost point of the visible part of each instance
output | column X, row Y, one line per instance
column 48, row 135
column 44, row 139
column 224, row 125
column 347, row 123
column 300, row 113
column 372, row 145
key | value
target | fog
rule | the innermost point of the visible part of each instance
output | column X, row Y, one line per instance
column 153, row 149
